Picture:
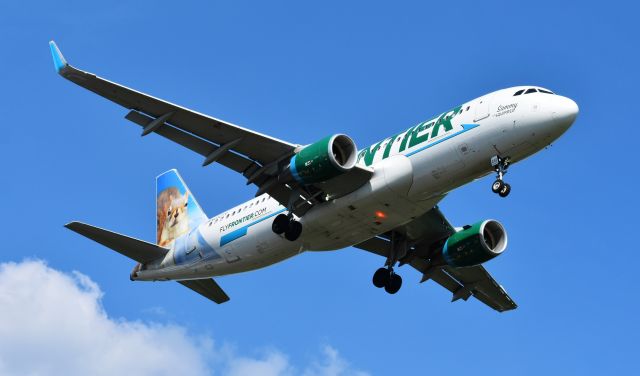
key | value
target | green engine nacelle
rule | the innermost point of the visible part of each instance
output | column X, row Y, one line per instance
column 476, row 244
column 323, row 160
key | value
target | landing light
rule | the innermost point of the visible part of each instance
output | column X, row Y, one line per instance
column 380, row 214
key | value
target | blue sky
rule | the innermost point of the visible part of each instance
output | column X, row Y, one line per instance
column 299, row 72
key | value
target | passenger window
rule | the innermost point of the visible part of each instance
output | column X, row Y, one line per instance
column 518, row 92
column 529, row 91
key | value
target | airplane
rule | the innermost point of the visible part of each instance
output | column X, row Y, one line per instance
column 328, row 195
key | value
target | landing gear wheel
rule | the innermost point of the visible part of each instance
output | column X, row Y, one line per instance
column 496, row 187
column 506, row 189
column 395, row 282
column 280, row 224
column 294, row 231
column 500, row 166
column 381, row 277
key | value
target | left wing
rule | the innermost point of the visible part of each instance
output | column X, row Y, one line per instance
column 427, row 233
column 258, row 157
column 253, row 145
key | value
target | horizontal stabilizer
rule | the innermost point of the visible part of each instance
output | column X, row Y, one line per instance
column 138, row 250
column 207, row 288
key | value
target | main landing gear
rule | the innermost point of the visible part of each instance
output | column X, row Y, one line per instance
column 386, row 276
column 286, row 224
column 500, row 165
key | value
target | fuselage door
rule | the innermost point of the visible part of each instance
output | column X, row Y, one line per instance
column 193, row 250
column 482, row 109
column 230, row 254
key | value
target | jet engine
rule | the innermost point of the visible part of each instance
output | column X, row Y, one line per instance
column 475, row 244
column 324, row 159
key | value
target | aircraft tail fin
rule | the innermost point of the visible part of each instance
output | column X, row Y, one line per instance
column 177, row 211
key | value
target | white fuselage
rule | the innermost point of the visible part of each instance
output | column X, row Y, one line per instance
column 413, row 171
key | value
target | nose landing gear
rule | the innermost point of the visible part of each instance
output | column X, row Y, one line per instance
column 287, row 225
column 500, row 165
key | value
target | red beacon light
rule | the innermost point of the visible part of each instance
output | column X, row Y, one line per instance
column 380, row 214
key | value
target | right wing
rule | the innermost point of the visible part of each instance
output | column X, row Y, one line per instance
column 256, row 156
column 207, row 288
column 465, row 282
column 427, row 233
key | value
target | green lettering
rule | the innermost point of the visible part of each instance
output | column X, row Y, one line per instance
column 416, row 137
column 387, row 150
column 403, row 144
column 369, row 154
column 445, row 121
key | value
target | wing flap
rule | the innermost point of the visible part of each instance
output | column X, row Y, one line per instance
column 207, row 288
column 200, row 146
column 483, row 287
column 138, row 250
column 436, row 274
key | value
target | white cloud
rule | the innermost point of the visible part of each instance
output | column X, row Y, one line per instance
column 332, row 365
column 53, row 323
column 272, row 364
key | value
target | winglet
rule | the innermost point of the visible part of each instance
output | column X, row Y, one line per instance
column 58, row 60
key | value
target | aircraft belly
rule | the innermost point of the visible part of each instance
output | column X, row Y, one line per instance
column 214, row 255
column 377, row 207
column 260, row 247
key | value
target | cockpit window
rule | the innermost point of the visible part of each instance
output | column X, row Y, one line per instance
column 529, row 91
column 545, row 91
column 518, row 92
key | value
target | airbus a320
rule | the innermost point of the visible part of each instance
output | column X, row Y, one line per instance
column 328, row 195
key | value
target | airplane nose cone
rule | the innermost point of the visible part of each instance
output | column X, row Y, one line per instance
column 564, row 111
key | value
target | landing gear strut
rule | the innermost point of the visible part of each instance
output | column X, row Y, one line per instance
column 286, row 224
column 386, row 276
column 500, row 165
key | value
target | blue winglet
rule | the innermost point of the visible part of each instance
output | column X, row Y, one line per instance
column 58, row 60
